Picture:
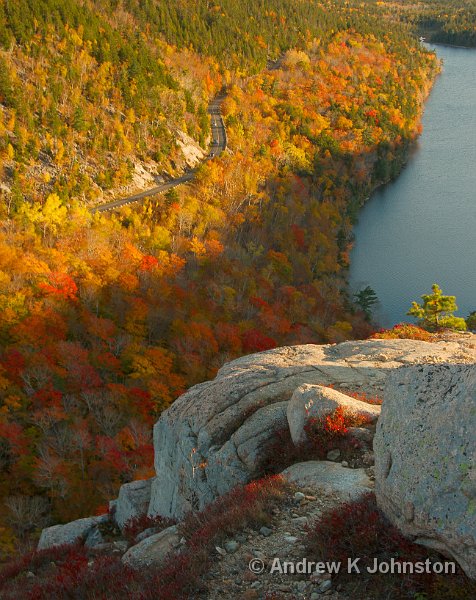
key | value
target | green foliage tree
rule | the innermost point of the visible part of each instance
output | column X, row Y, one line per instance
column 365, row 300
column 436, row 311
column 471, row 321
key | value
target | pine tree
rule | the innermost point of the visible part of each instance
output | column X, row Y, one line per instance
column 436, row 311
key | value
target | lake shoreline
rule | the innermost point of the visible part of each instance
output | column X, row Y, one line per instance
column 408, row 235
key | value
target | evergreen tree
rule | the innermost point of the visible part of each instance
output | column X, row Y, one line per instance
column 366, row 299
column 436, row 311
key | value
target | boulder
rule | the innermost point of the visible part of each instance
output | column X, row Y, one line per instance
column 94, row 538
column 133, row 501
column 316, row 401
column 425, row 458
column 204, row 443
column 329, row 478
column 153, row 550
column 57, row 535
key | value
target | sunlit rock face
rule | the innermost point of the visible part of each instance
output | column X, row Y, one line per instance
column 212, row 437
column 425, row 457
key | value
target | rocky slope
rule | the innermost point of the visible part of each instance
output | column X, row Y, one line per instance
column 214, row 437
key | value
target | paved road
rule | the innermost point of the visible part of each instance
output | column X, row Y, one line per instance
column 218, row 146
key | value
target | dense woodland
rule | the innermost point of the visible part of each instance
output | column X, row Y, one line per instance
column 105, row 319
column 440, row 21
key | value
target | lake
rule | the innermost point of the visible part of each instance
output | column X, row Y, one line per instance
column 421, row 228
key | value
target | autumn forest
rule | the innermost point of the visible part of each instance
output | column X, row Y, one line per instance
column 105, row 318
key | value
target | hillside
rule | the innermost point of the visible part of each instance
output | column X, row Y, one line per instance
column 106, row 319
column 89, row 103
column 441, row 22
column 298, row 454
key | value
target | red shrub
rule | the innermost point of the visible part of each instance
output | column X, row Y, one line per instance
column 67, row 572
column 357, row 529
column 363, row 397
column 360, row 530
column 245, row 506
column 404, row 331
column 329, row 433
column 335, row 425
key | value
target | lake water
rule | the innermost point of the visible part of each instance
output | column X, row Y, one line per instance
column 421, row 229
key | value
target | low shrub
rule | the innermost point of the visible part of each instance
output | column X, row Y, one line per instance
column 323, row 435
column 364, row 397
column 68, row 572
column 360, row 530
column 245, row 506
column 404, row 331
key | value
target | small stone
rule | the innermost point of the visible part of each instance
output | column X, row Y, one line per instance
column 291, row 539
column 299, row 496
column 121, row 545
column 344, row 463
column 368, row 458
column 333, row 454
column 300, row 521
column 221, row 551
column 314, row 596
column 30, row 574
column 256, row 584
column 325, row 586
column 265, row 531
column 232, row 546
column 105, row 547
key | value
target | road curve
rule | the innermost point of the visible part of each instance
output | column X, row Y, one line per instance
column 219, row 142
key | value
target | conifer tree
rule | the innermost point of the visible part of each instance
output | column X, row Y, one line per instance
column 436, row 311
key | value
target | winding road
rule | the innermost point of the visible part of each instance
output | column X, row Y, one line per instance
column 218, row 145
